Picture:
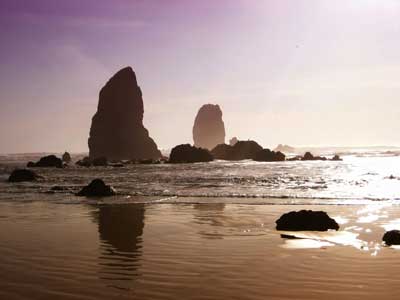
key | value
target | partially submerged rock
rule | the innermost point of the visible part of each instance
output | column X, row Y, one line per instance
column 100, row 162
column 241, row 150
column 306, row 220
column 66, row 157
column 20, row 175
column 392, row 237
column 97, row 188
column 50, row 161
column 84, row 162
column 186, row 153
column 269, row 156
column 233, row 141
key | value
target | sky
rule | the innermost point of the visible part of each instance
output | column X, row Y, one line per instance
column 299, row 72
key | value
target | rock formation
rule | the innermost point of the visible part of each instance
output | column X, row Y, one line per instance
column 49, row 161
column 117, row 130
column 285, row 149
column 392, row 237
column 186, row 153
column 97, row 188
column 241, row 150
column 268, row 155
column 306, row 220
column 233, row 141
column 66, row 157
column 20, row 175
column 208, row 128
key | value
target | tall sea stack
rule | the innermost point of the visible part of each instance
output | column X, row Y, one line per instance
column 209, row 128
column 117, row 130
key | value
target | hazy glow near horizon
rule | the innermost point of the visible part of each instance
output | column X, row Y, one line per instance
column 306, row 72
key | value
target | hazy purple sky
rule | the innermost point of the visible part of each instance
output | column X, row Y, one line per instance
column 300, row 72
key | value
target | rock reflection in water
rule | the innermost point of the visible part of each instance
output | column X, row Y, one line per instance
column 120, row 232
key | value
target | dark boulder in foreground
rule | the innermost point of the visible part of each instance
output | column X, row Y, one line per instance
column 268, row 155
column 392, row 237
column 50, row 161
column 20, row 175
column 186, row 153
column 97, row 188
column 306, row 220
column 208, row 128
column 117, row 131
column 241, row 150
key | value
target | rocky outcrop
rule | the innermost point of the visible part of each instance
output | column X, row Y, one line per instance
column 269, row 156
column 66, row 157
column 241, row 150
column 50, row 161
column 285, row 149
column 97, row 188
column 209, row 128
column 20, row 175
column 117, row 130
column 233, row 141
column 392, row 237
column 186, row 153
column 308, row 156
column 306, row 220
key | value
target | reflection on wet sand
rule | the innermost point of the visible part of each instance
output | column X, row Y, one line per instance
column 210, row 214
column 120, row 228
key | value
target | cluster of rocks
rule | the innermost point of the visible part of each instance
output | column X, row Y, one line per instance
column 246, row 150
column 309, row 156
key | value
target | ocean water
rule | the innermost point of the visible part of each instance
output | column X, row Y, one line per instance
column 373, row 177
column 201, row 231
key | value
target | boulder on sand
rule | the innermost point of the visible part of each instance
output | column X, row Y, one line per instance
column 392, row 237
column 306, row 220
column 20, row 175
column 50, row 161
column 97, row 188
column 186, row 153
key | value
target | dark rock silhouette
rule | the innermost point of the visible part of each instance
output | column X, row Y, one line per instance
column 208, row 128
column 20, row 175
column 285, row 148
column 222, row 151
column 336, row 158
column 50, row 161
column 392, row 237
column 117, row 130
column 186, row 153
column 268, row 155
column 84, row 162
column 241, row 150
column 97, row 188
column 233, row 141
column 306, row 220
column 100, row 162
column 66, row 157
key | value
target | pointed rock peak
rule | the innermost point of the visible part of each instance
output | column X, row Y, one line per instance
column 125, row 74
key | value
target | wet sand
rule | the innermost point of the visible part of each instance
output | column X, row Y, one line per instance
column 192, row 251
